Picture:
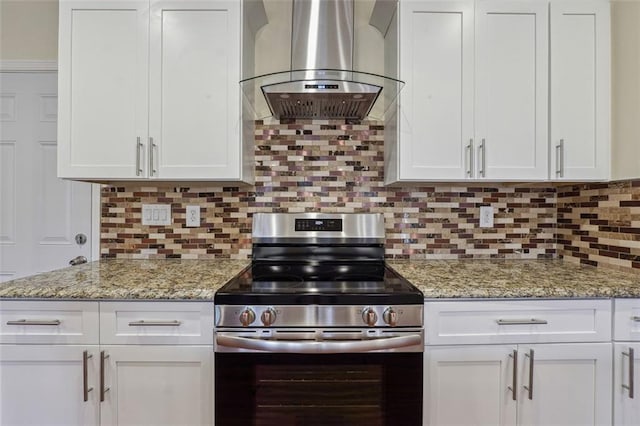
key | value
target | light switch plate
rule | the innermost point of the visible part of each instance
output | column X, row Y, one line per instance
column 193, row 216
column 156, row 214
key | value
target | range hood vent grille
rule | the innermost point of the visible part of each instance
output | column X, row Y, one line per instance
column 315, row 106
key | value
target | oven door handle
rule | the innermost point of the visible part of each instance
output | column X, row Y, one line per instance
column 317, row 347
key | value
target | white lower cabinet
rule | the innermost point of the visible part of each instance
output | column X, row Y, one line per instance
column 60, row 363
column 157, row 385
column 518, row 371
column 45, row 385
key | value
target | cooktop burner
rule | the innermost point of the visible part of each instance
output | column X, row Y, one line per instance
column 337, row 284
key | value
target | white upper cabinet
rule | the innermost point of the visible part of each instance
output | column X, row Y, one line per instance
column 102, row 85
column 514, row 90
column 475, row 101
column 580, row 92
column 150, row 90
column 436, row 112
column 511, row 98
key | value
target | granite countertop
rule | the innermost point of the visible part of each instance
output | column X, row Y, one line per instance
column 200, row 279
column 128, row 280
column 516, row 278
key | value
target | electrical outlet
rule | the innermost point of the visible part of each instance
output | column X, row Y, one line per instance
column 486, row 217
column 193, row 216
column 156, row 214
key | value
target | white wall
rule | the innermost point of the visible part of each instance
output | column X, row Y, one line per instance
column 625, row 89
column 29, row 30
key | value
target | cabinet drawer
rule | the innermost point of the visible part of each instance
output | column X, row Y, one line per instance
column 49, row 322
column 514, row 321
column 626, row 320
column 171, row 323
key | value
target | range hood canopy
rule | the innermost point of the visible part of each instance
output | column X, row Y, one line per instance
column 321, row 82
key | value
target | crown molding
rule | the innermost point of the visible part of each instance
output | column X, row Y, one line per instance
column 20, row 65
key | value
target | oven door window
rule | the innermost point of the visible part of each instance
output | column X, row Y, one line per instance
column 374, row 389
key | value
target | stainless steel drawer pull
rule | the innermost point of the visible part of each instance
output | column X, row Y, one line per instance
column 34, row 322
column 530, row 387
column 103, row 390
column 635, row 319
column 85, row 376
column 630, row 387
column 532, row 321
column 143, row 323
column 514, row 386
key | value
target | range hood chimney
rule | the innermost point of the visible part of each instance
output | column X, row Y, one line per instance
column 321, row 82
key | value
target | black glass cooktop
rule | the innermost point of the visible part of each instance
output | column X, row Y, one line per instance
column 336, row 283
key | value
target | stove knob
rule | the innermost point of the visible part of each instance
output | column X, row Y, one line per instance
column 247, row 317
column 268, row 317
column 390, row 316
column 369, row 317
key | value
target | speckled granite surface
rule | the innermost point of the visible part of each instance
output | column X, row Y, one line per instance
column 199, row 280
column 128, row 279
column 516, row 278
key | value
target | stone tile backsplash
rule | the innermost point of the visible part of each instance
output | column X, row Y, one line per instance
column 335, row 166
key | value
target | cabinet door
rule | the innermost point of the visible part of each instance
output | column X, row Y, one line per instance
column 158, row 385
column 580, row 89
column 43, row 385
column 567, row 384
column 626, row 405
column 194, row 89
column 103, row 79
column 469, row 385
column 511, row 90
column 436, row 108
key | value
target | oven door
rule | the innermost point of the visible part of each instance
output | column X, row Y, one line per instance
column 335, row 379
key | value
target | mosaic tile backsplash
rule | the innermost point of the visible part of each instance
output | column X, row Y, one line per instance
column 599, row 224
column 335, row 166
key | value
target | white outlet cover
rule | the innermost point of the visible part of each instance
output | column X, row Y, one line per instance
column 486, row 217
column 193, row 216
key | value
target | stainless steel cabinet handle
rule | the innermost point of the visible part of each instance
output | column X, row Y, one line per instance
column 532, row 321
column 152, row 147
column 630, row 387
column 560, row 159
column 103, row 390
column 635, row 319
column 470, row 158
column 316, row 347
column 139, row 146
column 514, row 379
column 482, row 154
column 34, row 322
column 143, row 323
column 85, row 375
column 530, row 387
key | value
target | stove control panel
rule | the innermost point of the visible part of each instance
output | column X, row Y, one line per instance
column 327, row 225
column 364, row 316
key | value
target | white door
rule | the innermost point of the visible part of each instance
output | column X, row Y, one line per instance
column 626, row 405
column 436, row 114
column 571, row 385
column 580, row 90
column 40, row 215
column 44, row 385
column 194, row 98
column 469, row 385
column 511, row 90
column 158, row 385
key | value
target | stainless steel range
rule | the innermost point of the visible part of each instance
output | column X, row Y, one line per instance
column 318, row 329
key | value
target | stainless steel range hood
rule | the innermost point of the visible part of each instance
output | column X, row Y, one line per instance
column 321, row 82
